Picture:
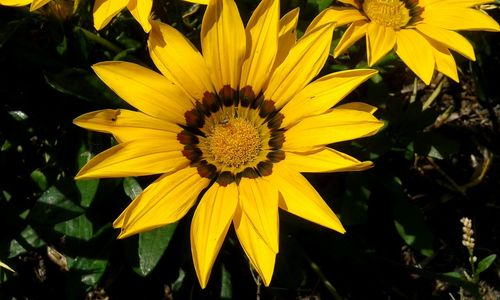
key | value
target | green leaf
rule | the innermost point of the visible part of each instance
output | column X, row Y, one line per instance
column 40, row 179
column 27, row 240
column 435, row 145
column 83, row 85
column 88, row 187
column 53, row 207
column 226, row 289
column 90, row 270
column 131, row 188
column 152, row 245
column 6, row 30
column 354, row 202
column 485, row 263
column 79, row 228
column 409, row 220
column 322, row 4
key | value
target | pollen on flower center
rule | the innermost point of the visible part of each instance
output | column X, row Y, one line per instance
column 390, row 13
column 234, row 142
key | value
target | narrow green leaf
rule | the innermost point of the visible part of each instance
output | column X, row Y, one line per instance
column 88, row 187
column 485, row 263
column 226, row 289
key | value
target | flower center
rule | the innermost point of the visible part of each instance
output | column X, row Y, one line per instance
column 233, row 134
column 392, row 13
column 234, row 142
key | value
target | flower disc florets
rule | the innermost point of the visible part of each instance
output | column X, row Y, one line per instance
column 392, row 13
column 233, row 134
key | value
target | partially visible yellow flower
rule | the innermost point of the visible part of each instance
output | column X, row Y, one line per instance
column 420, row 31
column 233, row 127
column 5, row 266
column 35, row 4
column 104, row 10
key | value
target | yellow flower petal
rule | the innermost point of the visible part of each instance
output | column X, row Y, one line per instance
column 15, row 2
column 144, row 89
column 163, row 202
column 304, row 61
column 287, row 35
column 223, row 43
column 440, row 4
column 5, row 266
column 379, row 41
column 105, row 10
column 448, row 38
column 141, row 11
column 353, row 33
column 179, row 60
column 416, row 53
column 325, row 160
column 36, row 4
column 454, row 18
column 210, row 223
column 259, row 201
column 136, row 158
column 259, row 253
column 301, row 199
column 358, row 106
column 127, row 125
column 445, row 63
column 339, row 15
column 262, row 30
column 320, row 95
column 334, row 126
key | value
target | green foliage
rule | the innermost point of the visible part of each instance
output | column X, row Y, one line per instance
column 435, row 161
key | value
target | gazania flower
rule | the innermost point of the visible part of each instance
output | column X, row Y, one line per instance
column 233, row 127
column 420, row 31
column 104, row 10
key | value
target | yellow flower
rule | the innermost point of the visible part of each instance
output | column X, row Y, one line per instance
column 234, row 127
column 104, row 10
column 420, row 31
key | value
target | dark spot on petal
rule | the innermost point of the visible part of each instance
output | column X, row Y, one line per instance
column 246, row 96
column 210, row 102
column 227, row 95
column 187, row 138
column 266, row 108
column 277, row 139
column 194, row 118
column 206, row 170
column 265, row 168
column 249, row 173
column 192, row 153
column 257, row 102
column 275, row 121
column 276, row 156
column 225, row 178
